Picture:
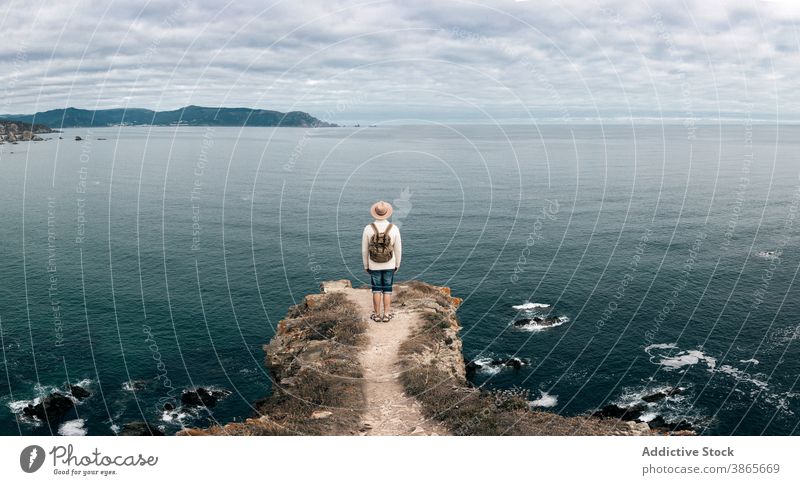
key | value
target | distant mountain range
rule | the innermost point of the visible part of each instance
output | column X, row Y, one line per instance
column 189, row 116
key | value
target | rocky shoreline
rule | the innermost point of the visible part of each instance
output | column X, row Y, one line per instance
column 16, row 131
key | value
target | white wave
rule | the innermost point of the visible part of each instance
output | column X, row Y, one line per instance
column 546, row 400
column 647, row 417
column 530, row 306
column 212, row 387
column 486, row 366
column 672, row 408
column 494, row 365
column 633, row 396
column 175, row 416
column 740, row 375
column 84, row 383
column 768, row 254
column 42, row 390
column 133, row 385
column 681, row 359
column 538, row 327
column 750, row 361
column 658, row 346
column 115, row 428
column 73, row 428
column 688, row 357
column 17, row 406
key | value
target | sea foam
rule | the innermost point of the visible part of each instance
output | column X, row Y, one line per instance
column 538, row 327
column 546, row 400
column 681, row 359
column 530, row 306
column 74, row 427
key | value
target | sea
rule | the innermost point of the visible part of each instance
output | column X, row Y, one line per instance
column 611, row 260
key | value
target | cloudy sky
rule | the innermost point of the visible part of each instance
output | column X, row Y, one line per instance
column 407, row 60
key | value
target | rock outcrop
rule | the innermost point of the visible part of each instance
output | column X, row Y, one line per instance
column 140, row 428
column 317, row 380
column 54, row 406
column 14, row 131
column 202, row 397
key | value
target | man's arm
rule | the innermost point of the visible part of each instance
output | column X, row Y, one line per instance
column 398, row 249
column 365, row 248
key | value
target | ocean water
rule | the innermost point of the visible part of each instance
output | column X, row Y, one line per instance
column 144, row 261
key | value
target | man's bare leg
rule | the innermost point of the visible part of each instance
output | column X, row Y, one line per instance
column 387, row 303
column 376, row 303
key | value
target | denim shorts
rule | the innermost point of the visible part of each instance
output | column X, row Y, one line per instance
column 382, row 280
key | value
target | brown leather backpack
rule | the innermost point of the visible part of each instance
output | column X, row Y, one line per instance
column 380, row 245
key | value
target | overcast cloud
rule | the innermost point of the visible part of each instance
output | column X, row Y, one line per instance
column 414, row 60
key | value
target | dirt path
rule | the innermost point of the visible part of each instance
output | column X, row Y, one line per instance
column 389, row 411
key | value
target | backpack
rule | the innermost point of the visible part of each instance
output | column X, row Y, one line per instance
column 380, row 245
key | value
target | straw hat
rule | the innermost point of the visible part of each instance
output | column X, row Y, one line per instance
column 381, row 210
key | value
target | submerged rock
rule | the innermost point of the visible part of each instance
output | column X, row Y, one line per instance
column 514, row 362
column 541, row 321
column 202, row 397
column 475, row 365
column 617, row 412
column 472, row 367
column 635, row 413
column 79, row 392
column 140, row 428
column 659, row 395
column 659, row 423
column 52, row 408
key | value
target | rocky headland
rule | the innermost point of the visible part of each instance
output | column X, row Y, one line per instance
column 16, row 131
column 334, row 372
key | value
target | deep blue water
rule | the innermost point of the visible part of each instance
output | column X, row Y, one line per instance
column 638, row 221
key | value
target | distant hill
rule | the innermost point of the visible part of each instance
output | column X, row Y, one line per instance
column 189, row 116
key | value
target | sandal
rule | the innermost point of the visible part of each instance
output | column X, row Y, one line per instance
column 386, row 317
column 374, row 317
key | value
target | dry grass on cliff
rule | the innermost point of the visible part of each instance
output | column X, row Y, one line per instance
column 414, row 291
column 325, row 376
column 335, row 318
column 465, row 410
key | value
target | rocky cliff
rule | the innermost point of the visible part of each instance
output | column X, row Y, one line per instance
column 317, row 375
column 312, row 359
column 434, row 371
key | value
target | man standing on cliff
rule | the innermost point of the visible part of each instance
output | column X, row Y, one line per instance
column 381, row 250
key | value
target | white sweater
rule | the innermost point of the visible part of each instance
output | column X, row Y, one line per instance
column 397, row 247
